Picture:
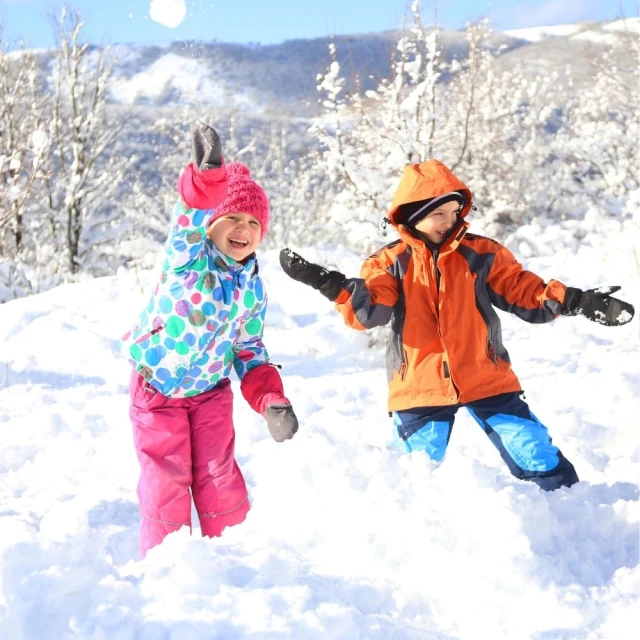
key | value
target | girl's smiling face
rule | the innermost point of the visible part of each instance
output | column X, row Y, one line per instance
column 437, row 224
column 237, row 235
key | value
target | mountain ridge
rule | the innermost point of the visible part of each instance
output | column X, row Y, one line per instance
column 256, row 78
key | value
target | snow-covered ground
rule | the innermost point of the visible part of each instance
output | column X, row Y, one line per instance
column 347, row 538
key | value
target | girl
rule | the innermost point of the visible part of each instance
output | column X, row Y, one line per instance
column 205, row 317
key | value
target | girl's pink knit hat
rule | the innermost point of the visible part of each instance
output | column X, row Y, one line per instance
column 244, row 196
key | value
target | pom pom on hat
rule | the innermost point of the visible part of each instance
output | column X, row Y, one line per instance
column 244, row 196
column 238, row 169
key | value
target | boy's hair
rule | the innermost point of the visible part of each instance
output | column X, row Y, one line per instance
column 412, row 212
column 244, row 196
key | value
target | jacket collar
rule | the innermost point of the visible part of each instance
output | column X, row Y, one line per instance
column 448, row 246
column 227, row 264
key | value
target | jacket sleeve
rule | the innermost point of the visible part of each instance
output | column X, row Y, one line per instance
column 514, row 289
column 203, row 189
column 368, row 301
column 187, row 235
column 200, row 192
column 262, row 387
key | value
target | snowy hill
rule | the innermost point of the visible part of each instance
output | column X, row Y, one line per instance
column 253, row 78
column 257, row 78
column 585, row 30
column 282, row 78
column 574, row 45
column 347, row 538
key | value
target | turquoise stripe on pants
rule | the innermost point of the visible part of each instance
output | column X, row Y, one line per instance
column 432, row 437
column 526, row 441
column 521, row 439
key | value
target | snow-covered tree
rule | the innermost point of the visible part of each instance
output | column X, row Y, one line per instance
column 367, row 139
column 500, row 136
column 600, row 143
column 509, row 135
column 23, row 144
column 80, row 171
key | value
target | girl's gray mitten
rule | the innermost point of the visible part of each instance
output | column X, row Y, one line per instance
column 206, row 148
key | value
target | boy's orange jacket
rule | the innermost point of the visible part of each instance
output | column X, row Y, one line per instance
column 446, row 340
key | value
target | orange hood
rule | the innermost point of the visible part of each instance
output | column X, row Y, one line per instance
column 425, row 181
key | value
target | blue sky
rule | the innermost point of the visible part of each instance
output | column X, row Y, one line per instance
column 270, row 21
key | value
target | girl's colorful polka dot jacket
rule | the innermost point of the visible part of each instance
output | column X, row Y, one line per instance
column 205, row 316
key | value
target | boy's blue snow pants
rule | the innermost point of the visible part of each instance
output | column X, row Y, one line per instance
column 521, row 439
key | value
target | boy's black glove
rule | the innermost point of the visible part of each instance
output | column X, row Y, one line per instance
column 281, row 421
column 598, row 306
column 328, row 283
column 206, row 148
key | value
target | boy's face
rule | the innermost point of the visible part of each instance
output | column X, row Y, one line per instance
column 237, row 235
column 439, row 222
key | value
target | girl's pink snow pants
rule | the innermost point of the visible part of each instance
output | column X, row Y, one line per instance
column 185, row 445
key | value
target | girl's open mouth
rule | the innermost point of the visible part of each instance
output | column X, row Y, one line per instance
column 236, row 242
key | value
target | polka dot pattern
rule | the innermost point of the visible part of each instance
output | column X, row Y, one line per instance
column 206, row 315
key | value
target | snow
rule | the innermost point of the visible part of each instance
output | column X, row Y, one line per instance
column 629, row 25
column 578, row 31
column 535, row 34
column 624, row 316
column 168, row 73
column 173, row 75
column 169, row 13
column 347, row 537
column 607, row 39
column 39, row 141
column 20, row 53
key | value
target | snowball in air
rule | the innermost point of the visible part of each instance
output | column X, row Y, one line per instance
column 169, row 13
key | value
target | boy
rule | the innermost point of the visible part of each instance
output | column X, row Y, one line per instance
column 438, row 286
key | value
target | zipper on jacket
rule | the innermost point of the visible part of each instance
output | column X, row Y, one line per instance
column 404, row 366
column 146, row 336
column 236, row 284
column 435, row 268
column 445, row 366
column 447, row 373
